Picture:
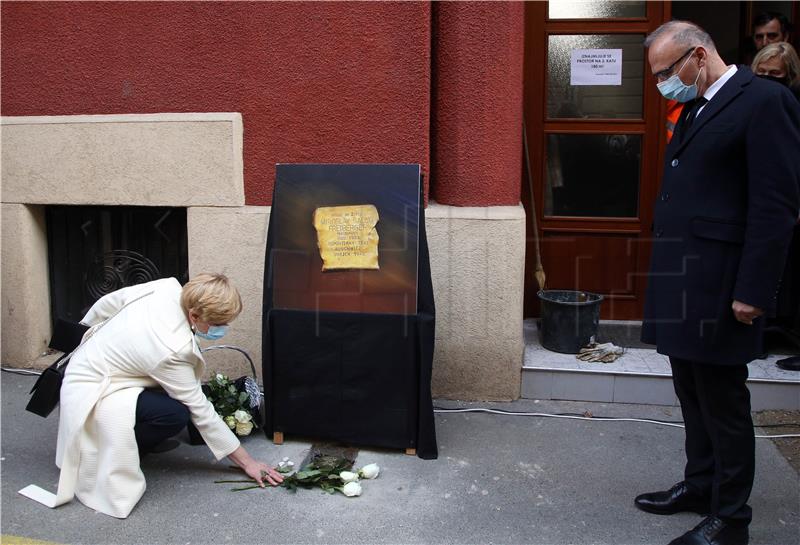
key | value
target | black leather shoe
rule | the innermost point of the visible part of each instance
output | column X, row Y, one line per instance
column 713, row 531
column 677, row 499
column 789, row 364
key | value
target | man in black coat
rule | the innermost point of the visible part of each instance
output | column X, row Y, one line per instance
column 729, row 199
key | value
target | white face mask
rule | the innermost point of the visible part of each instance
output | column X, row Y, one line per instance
column 674, row 89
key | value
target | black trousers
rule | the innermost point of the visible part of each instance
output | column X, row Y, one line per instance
column 158, row 417
column 720, row 441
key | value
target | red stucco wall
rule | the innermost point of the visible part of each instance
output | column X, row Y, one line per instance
column 315, row 82
column 477, row 109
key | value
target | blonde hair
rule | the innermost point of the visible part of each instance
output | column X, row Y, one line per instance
column 786, row 53
column 212, row 297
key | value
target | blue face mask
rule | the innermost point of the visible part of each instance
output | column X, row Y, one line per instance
column 674, row 89
column 215, row 332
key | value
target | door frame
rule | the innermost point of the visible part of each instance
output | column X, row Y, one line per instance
column 650, row 127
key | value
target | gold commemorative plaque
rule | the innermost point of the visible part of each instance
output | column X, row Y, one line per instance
column 347, row 237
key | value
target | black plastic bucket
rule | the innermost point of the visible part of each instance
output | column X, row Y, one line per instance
column 569, row 319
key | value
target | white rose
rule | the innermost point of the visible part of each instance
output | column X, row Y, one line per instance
column 219, row 377
column 242, row 416
column 244, row 428
column 230, row 421
column 351, row 489
column 370, row 471
column 348, row 476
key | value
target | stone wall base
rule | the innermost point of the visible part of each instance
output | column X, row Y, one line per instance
column 477, row 253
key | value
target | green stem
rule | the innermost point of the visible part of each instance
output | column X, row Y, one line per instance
column 237, row 481
column 245, row 488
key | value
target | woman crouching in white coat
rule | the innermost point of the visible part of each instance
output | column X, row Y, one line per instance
column 141, row 337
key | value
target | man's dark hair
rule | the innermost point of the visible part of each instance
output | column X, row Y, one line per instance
column 766, row 16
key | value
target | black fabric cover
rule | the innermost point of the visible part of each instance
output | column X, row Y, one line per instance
column 352, row 377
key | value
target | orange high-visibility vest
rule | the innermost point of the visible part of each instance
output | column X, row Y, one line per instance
column 674, row 109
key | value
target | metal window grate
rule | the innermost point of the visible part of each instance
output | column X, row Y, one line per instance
column 94, row 250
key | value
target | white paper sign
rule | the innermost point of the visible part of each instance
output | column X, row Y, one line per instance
column 596, row 67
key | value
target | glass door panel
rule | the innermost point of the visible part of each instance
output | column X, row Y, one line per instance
column 592, row 175
column 566, row 100
column 595, row 129
column 596, row 9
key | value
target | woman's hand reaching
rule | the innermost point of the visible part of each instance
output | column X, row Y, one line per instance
column 260, row 472
column 263, row 474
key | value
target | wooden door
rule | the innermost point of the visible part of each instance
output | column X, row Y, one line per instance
column 595, row 150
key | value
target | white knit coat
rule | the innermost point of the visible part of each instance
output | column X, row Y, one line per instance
column 140, row 338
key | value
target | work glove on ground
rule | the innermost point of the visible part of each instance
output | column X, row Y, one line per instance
column 605, row 352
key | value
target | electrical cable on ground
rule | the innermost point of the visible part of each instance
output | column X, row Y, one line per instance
column 21, row 371
column 654, row 420
column 596, row 418
column 568, row 416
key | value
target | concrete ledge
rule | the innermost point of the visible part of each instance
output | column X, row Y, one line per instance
column 496, row 213
column 768, row 395
column 599, row 386
column 232, row 241
column 25, row 284
column 640, row 388
column 477, row 262
column 476, row 285
column 171, row 159
column 191, row 159
column 640, row 376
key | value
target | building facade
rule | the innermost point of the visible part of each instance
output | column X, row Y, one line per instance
column 188, row 106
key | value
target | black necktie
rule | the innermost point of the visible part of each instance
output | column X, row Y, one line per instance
column 690, row 117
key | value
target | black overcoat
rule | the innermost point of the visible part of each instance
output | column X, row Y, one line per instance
column 722, row 222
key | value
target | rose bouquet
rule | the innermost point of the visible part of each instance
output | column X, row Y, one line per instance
column 330, row 473
column 234, row 401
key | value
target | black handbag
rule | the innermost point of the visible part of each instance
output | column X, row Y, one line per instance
column 67, row 337
column 47, row 389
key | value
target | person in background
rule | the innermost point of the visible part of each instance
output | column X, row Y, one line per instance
column 779, row 62
column 134, row 382
column 770, row 27
column 729, row 198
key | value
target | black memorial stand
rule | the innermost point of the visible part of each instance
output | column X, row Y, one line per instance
column 358, row 378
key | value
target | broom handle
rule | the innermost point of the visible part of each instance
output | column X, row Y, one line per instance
column 533, row 202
